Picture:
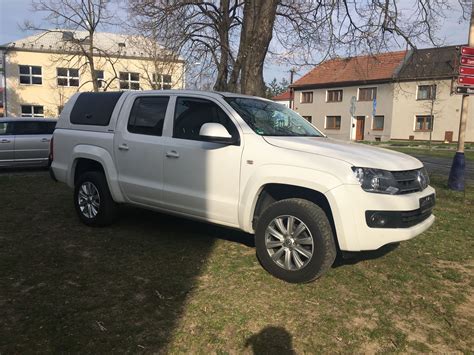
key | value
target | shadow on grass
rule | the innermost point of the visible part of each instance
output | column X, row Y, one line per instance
column 352, row 258
column 65, row 287
column 271, row 340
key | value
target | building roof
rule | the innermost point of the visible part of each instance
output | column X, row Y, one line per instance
column 284, row 96
column 429, row 63
column 368, row 68
column 66, row 41
column 419, row 64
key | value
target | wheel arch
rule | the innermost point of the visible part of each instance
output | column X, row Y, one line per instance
column 91, row 158
column 272, row 192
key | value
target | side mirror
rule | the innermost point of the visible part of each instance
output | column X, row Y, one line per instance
column 216, row 132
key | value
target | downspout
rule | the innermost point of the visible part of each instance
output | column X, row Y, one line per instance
column 4, row 56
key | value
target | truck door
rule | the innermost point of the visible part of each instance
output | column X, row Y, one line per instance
column 201, row 178
column 139, row 149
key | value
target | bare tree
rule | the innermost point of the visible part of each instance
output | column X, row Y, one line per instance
column 78, row 15
column 161, row 69
column 233, row 37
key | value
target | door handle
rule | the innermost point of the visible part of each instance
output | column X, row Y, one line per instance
column 123, row 147
column 45, row 140
column 172, row 154
column 5, row 141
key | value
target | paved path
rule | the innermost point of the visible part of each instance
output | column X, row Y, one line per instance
column 442, row 166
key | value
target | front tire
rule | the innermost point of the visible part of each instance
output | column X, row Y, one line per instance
column 294, row 241
column 93, row 201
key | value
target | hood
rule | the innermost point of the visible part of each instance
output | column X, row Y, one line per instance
column 356, row 154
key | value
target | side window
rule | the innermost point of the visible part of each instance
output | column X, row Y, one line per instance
column 148, row 115
column 25, row 128
column 191, row 113
column 47, row 127
column 5, row 128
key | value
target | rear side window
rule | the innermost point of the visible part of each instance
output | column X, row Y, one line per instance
column 48, row 127
column 191, row 114
column 33, row 127
column 5, row 128
column 148, row 115
column 94, row 108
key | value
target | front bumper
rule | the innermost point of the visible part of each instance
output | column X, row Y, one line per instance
column 352, row 209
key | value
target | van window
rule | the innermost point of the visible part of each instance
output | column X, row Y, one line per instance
column 5, row 128
column 48, row 127
column 94, row 108
column 148, row 115
column 33, row 127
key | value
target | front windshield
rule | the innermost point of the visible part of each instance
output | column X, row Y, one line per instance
column 268, row 118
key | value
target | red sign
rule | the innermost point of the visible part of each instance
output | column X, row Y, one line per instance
column 466, row 80
column 467, row 51
column 467, row 61
column 466, row 70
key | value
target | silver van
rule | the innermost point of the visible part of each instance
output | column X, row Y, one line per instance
column 25, row 141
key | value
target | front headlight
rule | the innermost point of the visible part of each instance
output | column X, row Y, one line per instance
column 376, row 180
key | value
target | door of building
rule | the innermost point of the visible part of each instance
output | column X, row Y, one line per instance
column 360, row 128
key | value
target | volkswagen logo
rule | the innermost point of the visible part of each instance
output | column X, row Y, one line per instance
column 422, row 180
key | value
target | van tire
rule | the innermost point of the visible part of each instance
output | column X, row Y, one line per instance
column 103, row 209
column 310, row 218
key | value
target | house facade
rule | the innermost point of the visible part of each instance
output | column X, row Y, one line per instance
column 392, row 96
column 43, row 71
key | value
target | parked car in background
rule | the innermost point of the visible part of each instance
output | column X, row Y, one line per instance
column 24, row 142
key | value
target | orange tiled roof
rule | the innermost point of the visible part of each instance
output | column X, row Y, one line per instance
column 355, row 69
column 284, row 96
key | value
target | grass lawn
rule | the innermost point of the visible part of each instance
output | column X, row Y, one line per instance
column 422, row 148
column 154, row 283
column 469, row 155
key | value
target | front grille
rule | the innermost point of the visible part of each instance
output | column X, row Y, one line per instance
column 412, row 218
column 408, row 181
column 396, row 219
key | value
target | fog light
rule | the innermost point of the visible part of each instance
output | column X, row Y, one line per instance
column 378, row 220
column 383, row 219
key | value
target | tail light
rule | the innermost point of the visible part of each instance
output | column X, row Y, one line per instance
column 51, row 150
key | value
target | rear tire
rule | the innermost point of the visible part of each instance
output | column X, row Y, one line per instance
column 92, row 199
column 294, row 241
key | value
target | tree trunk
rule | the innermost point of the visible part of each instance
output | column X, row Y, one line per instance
column 90, row 58
column 257, row 30
column 223, row 31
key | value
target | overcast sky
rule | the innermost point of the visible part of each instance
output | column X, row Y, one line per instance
column 14, row 12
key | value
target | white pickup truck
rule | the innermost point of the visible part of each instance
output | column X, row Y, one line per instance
column 242, row 162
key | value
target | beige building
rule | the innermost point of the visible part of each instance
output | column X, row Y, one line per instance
column 43, row 71
column 398, row 96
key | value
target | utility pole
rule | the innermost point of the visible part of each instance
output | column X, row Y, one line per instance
column 292, row 73
column 457, row 173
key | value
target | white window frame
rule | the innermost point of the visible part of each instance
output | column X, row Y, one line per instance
column 306, row 92
column 429, row 98
column 30, row 74
column 32, row 115
column 327, row 95
column 331, row 128
column 159, row 84
column 373, row 123
column 368, row 87
column 129, row 81
column 68, row 78
column 100, row 81
column 423, row 130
